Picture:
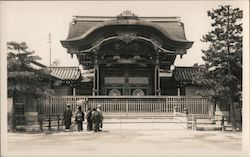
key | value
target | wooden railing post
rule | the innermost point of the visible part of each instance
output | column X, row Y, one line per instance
column 126, row 107
column 222, row 123
column 49, row 122
column 58, row 123
column 186, row 115
column 194, row 122
column 40, row 120
column 175, row 110
column 13, row 122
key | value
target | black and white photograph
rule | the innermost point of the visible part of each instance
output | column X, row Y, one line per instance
column 124, row 78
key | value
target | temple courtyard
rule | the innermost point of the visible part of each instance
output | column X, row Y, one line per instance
column 132, row 139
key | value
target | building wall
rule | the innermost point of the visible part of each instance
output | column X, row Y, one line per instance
column 63, row 90
column 168, row 86
column 190, row 90
column 84, row 88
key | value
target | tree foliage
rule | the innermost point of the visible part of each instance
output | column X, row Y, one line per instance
column 220, row 78
column 23, row 78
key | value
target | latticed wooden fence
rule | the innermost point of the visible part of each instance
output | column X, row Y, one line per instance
column 128, row 105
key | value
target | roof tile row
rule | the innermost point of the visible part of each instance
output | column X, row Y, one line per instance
column 66, row 73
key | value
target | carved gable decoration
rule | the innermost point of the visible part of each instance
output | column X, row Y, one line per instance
column 127, row 14
column 127, row 38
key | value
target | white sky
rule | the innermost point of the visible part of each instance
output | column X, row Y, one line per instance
column 31, row 22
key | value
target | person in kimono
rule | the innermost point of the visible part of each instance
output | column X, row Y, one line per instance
column 96, row 118
column 79, row 118
column 89, row 120
column 67, row 115
column 101, row 116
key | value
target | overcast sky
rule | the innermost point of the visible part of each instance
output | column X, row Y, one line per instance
column 31, row 22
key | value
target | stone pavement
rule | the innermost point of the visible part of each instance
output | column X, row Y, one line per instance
column 131, row 139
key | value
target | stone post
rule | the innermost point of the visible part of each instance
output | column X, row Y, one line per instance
column 175, row 110
column 222, row 123
column 186, row 115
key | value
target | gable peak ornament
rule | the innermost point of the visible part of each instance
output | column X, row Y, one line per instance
column 127, row 14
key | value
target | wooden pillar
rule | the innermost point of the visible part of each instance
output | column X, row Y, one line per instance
column 179, row 91
column 94, row 82
column 96, row 79
column 157, row 78
column 74, row 91
column 155, row 81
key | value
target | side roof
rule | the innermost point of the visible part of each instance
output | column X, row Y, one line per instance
column 62, row 73
column 66, row 73
column 184, row 74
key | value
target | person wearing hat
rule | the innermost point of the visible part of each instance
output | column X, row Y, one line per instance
column 101, row 116
column 67, row 115
column 79, row 118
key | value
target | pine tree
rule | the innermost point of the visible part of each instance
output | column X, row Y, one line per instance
column 220, row 78
column 23, row 79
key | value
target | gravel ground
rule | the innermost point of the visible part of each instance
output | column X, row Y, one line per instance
column 136, row 139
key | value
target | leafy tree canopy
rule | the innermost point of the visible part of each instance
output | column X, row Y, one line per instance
column 220, row 78
column 23, row 78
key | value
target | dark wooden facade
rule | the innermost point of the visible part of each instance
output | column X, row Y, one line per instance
column 127, row 52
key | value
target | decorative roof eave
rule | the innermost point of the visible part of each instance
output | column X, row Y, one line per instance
column 156, row 46
column 66, row 73
column 79, row 40
column 184, row 75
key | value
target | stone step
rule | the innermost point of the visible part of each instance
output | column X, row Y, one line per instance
column 208, row 127
column 28, row 128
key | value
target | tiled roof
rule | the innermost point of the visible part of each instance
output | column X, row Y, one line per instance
column 66, row 73
column 169, row 31
column 174, row 28
column 184, row 74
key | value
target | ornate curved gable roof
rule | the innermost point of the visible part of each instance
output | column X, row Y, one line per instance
column 86, row 30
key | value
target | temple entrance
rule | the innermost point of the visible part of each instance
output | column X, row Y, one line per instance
column 127, row 52
column 125, row 80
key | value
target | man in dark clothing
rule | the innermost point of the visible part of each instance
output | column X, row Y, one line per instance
column 96, row 119
column 89, row 120
column 101, row 115
column 79, row 118
column 67, row 115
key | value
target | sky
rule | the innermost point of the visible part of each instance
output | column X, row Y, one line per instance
column 31, row 22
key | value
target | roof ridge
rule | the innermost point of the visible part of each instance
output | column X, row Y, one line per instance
column 66, row 67
column 186, row 67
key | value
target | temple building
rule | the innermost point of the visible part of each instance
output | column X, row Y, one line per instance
column 127, row 55
column 126, row 65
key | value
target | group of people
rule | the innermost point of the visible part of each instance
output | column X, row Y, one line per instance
column 93, row 116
